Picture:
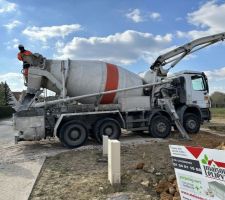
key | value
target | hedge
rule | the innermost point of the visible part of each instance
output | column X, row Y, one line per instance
column 6, row 111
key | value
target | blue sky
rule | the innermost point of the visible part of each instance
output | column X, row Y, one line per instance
column 128, row 33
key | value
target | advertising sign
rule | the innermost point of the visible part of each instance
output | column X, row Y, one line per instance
column 200, row 172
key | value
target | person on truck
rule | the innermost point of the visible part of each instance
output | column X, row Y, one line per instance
column 20, row 55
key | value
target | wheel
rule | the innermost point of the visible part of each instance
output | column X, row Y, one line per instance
column 191, row 123
column 108, row 127
column 160, row 127
column 73, row 134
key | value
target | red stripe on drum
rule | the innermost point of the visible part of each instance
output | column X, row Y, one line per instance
column 112, row 82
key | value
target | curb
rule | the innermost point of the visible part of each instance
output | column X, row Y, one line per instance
column 36, row 178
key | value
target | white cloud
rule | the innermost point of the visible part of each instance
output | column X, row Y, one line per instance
column 216, row 79
column 14, row 80
column 13, row 44
column 59, row 44
column 216, row 74
column 44, row 33
column 12, row 24
column 155, row 16
column 208, row 19
column 135, row 16
column 180, row 34
column 215, row 88
column 45, row 46
column 121, row 48
column 6, row 6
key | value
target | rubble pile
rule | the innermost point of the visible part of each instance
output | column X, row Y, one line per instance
column 221, row 146
column 168, row 189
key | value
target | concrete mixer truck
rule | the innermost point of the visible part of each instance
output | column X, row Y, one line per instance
column 96, row 98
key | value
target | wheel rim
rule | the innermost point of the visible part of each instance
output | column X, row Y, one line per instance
column 161, row 127
column 108, row 130
column 74, row 134
column 191, row 124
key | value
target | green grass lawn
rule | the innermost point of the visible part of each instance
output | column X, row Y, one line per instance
column 218, row 112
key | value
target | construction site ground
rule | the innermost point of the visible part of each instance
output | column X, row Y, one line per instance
column 82, row 173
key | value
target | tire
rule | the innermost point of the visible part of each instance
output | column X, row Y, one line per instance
column 108, row 127
column 73, row 134
column 160, row 127
column 191, row 123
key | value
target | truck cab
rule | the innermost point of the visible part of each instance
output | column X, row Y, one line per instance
column 197, row 90
column 196, row 86
column 193, row 103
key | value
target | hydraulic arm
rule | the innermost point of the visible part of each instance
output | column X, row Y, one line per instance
column 179, row 53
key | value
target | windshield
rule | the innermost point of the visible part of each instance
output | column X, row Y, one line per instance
column 198, row 83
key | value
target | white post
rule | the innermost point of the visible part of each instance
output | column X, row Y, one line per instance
column 114, row 161
column 105, row 145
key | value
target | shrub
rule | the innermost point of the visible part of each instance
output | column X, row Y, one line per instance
column 6, row 111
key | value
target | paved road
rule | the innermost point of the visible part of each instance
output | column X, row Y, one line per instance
column 6, row 133
column 17, row 176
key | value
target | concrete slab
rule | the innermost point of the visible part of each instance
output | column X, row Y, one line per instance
column 17, row 179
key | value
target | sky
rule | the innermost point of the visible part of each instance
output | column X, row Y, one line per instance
column 131, row 34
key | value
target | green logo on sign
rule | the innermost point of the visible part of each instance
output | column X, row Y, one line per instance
column 205, row 160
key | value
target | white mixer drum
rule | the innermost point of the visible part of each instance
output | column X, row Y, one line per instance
column 87, row 77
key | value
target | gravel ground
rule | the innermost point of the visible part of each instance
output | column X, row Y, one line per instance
column 20, row 164
column 83, row 174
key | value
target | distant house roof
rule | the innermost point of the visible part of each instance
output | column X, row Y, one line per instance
column 17, row 95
